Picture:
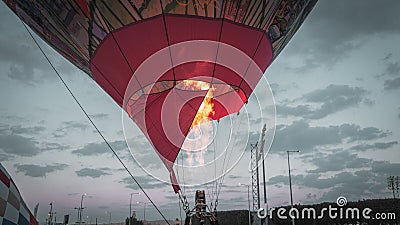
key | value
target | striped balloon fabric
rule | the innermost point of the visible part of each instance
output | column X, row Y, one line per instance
column 13, row 209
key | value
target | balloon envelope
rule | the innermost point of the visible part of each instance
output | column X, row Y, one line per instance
column 165, row 61
column 13, row 209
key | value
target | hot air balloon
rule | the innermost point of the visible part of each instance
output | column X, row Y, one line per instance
column 13, row 209
column 169, row 63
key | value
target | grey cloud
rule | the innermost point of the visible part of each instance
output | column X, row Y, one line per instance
column 375, row 146
column 352, row 132
column 99, row 148
column 304, row 111
column 147, row 182
column 26, row 130
column 69, row 126
column 93, row 173
column 143, row 152
column 337, row 161
column 314, row 180
column 362, row 183
column 252, row 139
column 385, row 168
column 92, row 149
column 309, row 180
column 299, row 135
column 234, row 176
column 276, row 89
column 19, row 145
column 387, row 57
column 53, row 146
column 19, row 53
column 336, row 93
column 331, row 99
column 39, row 171
column 15, row 140
column 99, row 116
column 327, row 38
column 392, row 84
column 26, row 63
column 73, row 194
column 353, row 186
column 392, row 68
column 5, row 157
column 147, row 160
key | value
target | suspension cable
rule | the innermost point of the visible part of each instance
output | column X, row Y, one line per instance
column 220, row 179
column 91, row 121
column 230, row 156
column 180, row 210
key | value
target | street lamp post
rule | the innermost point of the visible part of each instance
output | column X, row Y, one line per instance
column 248, row 198
column 290, row 182
column 144, row 210
column 130, row 206
column 81, row 210
column 50, row 213
column 109, row 218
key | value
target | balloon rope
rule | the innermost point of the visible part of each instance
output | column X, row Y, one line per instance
column 229, row 159
column 183, row 173
column 91, row 121
column 180, row 210
column 214, row 187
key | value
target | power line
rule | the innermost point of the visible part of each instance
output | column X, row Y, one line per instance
column 91, row 121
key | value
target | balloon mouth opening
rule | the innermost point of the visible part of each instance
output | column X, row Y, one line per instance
column 210, row 90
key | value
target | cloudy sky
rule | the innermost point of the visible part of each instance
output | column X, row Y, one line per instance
column 336, row 87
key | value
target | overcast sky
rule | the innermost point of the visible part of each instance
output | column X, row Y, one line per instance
column 336, row 87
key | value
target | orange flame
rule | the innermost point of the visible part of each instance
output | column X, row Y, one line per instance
column 206, row 110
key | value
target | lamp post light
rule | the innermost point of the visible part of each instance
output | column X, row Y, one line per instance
column 109, row 218
column 290, row 181
column 248, row 198
column 81, row 210
column 144, row 210
column 130, row 206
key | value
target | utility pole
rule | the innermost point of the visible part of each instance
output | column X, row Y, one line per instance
column 255, row 188
column 394, row 185
column 290, row 182
column 144, row 210
column 248, row 198
column 263, row 168
column 80, row 211
column 130, row 206
column 50, row 214
column 77, row 218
